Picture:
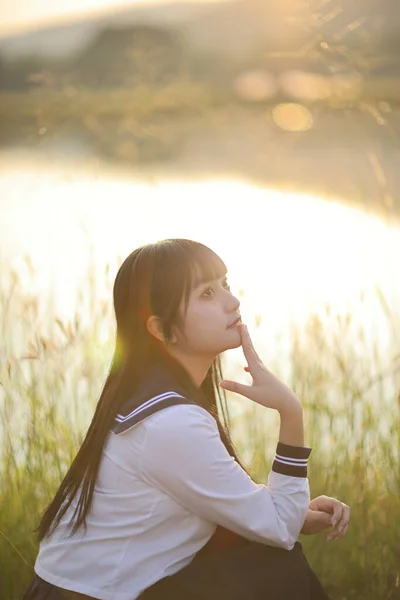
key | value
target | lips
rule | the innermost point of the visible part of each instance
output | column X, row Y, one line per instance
column 235, row 322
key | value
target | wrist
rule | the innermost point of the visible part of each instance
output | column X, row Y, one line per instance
column 292, row 428
column 291, row 407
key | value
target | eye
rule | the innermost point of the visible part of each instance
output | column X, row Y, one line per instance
column 225, row 284
column 207, row 290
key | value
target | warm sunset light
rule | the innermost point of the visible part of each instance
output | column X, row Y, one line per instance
column 138, row 139
column 292, row 253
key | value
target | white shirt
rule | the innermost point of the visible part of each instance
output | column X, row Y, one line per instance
column 163, row 486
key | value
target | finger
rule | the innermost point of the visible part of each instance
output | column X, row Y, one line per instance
column 342, row 533
column 337, row 512
column 234, row 386
column 333, row 535
column 345, row 517
column 336, row 536
column 247, row 345
column 326, row 518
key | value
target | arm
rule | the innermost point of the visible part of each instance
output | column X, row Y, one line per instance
column 291, row 428
column 184, row 456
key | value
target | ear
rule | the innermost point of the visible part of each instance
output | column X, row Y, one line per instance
column 154, row 326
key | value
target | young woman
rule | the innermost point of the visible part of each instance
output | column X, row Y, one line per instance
column 156, row 504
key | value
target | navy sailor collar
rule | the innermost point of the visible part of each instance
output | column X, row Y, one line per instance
column 158, row 390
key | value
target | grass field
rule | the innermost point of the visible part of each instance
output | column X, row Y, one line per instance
column 51, row 373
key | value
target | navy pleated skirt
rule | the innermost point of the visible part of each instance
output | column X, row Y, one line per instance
column 246, row 571
column 250, row 571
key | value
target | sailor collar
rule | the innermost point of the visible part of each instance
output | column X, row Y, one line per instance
column 158, row 390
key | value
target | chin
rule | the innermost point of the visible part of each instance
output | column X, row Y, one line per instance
column 232, row 344
column 236, row 345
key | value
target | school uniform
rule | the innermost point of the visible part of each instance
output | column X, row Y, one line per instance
column 165, row 483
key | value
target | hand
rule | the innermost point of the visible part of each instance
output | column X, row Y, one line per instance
column 266, row 389
column 324, row 512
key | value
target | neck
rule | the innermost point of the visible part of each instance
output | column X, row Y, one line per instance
column 197, row 366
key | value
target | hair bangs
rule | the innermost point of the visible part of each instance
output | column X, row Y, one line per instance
column 204, row 265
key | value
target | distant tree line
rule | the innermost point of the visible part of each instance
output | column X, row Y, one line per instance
column 348, row 34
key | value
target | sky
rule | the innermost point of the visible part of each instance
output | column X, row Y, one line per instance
column 17, row 15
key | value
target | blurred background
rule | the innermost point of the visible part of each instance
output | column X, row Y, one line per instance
column 291, row 93
column 268, row 130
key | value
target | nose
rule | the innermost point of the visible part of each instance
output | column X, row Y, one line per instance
column 234, row 304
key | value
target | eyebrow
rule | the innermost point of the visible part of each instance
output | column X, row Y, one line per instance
column 204, row 281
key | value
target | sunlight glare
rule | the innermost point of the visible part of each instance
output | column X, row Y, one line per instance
column 291, row 253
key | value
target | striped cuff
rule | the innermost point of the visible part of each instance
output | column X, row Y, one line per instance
column 291, row 460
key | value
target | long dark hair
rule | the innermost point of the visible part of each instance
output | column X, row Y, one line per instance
column 153, row 280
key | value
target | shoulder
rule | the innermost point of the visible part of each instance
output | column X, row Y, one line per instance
column 182, row 436
column 182, row 417
column 179, row 430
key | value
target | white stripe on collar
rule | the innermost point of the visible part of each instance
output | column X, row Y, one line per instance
column 157, row 399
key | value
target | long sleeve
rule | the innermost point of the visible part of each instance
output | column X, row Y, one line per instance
column 184, row 456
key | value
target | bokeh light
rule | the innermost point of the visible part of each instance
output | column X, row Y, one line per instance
column 292, row 117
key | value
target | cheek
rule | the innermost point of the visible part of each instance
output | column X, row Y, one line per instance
column 202, row 322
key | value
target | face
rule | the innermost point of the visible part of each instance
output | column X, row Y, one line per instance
column 211, row 311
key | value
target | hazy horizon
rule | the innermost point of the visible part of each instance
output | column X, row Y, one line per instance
column 18, row 16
